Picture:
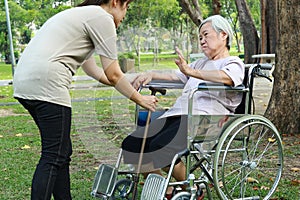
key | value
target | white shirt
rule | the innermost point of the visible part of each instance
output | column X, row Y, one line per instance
column 210, row 102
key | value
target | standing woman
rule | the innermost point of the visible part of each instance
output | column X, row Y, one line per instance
column 44, row 73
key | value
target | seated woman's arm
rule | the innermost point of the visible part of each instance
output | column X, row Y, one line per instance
column 145, row 78
column 211, row 75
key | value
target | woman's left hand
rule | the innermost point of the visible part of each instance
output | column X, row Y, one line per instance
column 181, row 63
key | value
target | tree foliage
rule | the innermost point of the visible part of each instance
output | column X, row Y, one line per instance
column 25, row 17
column 153, row 13
column 28, row 15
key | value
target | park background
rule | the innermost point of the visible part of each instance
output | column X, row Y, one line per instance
column 102, row 117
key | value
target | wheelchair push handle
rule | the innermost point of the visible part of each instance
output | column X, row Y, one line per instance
column 265, row 66
column 262, row 66
column 155, row 89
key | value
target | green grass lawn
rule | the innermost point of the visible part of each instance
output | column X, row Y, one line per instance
column 108, row 119
column 20, row 141
column 5, row 71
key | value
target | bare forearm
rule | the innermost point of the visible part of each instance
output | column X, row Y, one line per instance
column 104, row 80
column 218, row 76
column 91, row 69
column 164, row 76
column 145, row 78
column 124, row 87
column 117, row 79
column 120, row 82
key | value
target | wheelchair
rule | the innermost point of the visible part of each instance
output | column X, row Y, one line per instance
column 240, row 156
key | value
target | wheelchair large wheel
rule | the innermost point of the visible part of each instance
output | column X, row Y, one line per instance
column 182, row 196
column 248, row 162
column 122, row 190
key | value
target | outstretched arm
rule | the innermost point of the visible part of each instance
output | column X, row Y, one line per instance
column 208, row 75
column 117, row 78
column 91, row 68
column 145, row 78
column 111, row 74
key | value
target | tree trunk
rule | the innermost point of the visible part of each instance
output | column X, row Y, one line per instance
column 269, row 30
column 271, row 26
column 263, row 32
column 216, row 7
column 284, row 106
column 191, row 7
column 228, row 9
column 251, row 40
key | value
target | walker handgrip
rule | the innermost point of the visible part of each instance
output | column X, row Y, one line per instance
column 154, row 90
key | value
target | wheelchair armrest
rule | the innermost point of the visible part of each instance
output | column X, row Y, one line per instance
column 165, row 84
column 220, row 86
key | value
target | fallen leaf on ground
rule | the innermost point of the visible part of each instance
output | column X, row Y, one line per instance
column 221, row 184
column 295, row 169
column 252, row 180
column 271, row 140
column 295, row 182
column 255, row 188
column 25, row 147
column 264, row 188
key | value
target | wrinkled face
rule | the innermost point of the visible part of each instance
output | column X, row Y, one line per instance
column 211, row 41
column 120, row 13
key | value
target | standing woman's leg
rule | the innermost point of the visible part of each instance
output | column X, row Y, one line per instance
column 52, row 172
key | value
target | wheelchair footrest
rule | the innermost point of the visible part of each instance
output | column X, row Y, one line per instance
column 104, row 181
column 153, row 187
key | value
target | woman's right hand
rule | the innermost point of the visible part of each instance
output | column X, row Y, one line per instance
column 149, row 102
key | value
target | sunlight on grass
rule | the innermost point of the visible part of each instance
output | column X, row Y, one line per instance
column 5, row 71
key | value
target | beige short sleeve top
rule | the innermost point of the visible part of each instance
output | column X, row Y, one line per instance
column 45, row 69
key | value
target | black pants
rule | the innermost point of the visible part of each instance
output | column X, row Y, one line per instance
column 52, row 172
column 166, row 137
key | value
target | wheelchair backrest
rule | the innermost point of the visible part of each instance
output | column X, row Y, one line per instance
column 243, row 108
column 251, row 71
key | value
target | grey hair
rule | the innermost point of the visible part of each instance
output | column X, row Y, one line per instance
column 220, row 24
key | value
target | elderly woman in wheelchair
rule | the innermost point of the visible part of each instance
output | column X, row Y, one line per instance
column 210, row 127
column 167, row 134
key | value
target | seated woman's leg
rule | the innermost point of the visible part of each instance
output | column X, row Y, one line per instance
column 166, row 137
column 132, row 144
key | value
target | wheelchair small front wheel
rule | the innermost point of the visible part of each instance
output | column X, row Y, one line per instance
column 248, row 162
column 122, row 190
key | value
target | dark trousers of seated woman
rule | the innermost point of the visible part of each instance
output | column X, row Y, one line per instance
column 165, row 138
